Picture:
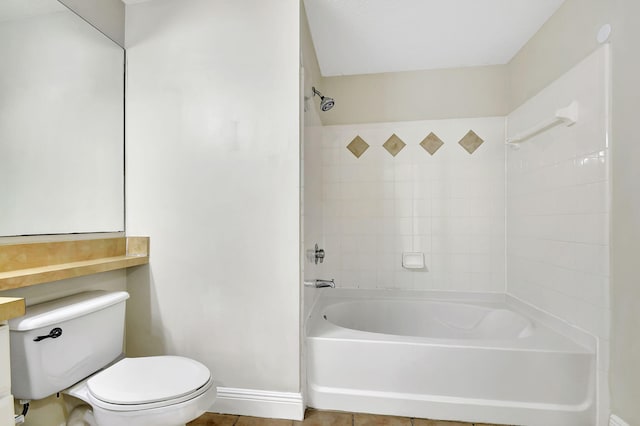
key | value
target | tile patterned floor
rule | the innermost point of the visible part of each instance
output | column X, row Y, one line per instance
column 323, row 418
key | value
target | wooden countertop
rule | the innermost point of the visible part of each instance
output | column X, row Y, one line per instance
column 11, row 307
column 23, row 265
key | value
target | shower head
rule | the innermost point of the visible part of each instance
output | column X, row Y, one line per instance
column 326, row 103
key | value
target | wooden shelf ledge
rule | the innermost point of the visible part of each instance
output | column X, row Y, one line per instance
column 23, row 265
column 11, row 307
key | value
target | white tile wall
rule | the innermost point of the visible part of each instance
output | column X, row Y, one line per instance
column 558, row 208
column 558, row 202
column 311, row 210
column 449, row 206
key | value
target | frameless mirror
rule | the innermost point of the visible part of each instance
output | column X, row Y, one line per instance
column 61, row 123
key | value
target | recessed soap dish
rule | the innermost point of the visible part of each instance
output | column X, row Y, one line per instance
column 413, row 260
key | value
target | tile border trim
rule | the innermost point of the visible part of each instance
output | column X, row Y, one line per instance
column 259, row 403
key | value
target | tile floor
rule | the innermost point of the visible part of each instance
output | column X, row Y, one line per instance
column 323, row 418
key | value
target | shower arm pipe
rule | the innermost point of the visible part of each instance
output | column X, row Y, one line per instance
column 567, row 116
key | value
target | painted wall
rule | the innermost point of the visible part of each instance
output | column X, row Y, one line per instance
column 311, row 208
column 558, row 206
column 564, row 40
column 417, row 95
column 106, row 15
column 449, row 206
column 213, row 177
column 312, row 76
column 625, row 320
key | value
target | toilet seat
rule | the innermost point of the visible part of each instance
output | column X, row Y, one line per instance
column 167, row 411
column 134, row 384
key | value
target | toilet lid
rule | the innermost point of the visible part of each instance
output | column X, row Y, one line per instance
column 148, row 379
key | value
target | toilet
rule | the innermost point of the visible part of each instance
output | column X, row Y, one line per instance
column 74, row 345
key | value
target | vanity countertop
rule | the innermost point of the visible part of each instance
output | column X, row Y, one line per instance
column 11, row 307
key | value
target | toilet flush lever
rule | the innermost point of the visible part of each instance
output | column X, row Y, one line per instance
column 54, row 334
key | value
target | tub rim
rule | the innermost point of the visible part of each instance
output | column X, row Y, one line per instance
column 528, row 328
column 545, row 336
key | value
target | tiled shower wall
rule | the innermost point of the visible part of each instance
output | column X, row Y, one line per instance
column 558, row 208
column 449, row 206
column 558, row 202
column 311, row 210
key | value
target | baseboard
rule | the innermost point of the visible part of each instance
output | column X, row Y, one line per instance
column 617, row 421
column 259, row 403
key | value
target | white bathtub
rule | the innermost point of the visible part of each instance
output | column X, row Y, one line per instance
column 426, row 355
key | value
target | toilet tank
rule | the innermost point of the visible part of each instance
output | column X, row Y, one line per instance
column 90, row 330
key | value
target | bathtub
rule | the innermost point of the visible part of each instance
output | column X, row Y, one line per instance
column 466, row 357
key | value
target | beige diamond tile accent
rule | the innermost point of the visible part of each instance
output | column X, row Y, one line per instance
column 357, row 146
column 431, row 143
column 471, row 141
column 394, row 145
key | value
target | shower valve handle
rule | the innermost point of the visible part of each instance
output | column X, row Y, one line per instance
column 319, row 254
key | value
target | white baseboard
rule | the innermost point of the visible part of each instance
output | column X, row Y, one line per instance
column 617, row 421
column 259, row 403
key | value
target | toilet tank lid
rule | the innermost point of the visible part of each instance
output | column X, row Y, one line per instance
column 66, row 308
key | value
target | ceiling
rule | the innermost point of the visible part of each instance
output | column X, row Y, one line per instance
column 376, row 36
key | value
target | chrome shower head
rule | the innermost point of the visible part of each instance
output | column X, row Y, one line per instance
column 326, row 103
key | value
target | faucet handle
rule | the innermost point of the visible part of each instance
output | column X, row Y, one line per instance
column 319, row 283
column 319, row 254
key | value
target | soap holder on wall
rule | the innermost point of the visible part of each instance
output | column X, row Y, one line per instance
column 413, row 260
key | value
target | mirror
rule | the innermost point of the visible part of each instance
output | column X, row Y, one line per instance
column 61, row 123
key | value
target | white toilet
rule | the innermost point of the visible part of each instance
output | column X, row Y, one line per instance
column 74, row 345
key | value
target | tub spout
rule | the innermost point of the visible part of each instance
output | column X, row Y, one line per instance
column 320, row 283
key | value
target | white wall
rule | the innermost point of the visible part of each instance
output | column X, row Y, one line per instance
column 213, row 178
column 564, row 40
column 558, row 206
column 625, row 332
column 450, row 206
